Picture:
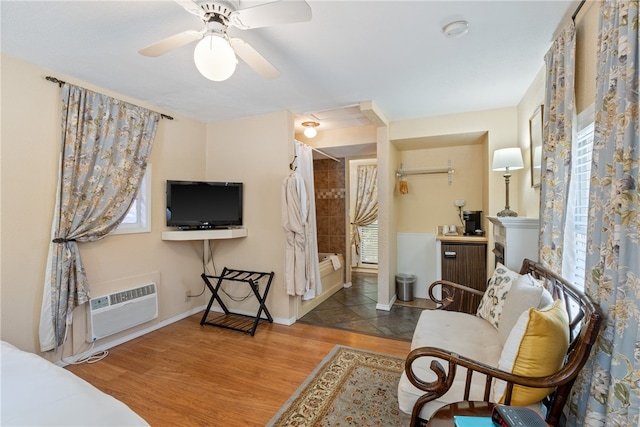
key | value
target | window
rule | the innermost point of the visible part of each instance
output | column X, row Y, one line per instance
column 578, row 204
column 138, row 219
column 369, row 244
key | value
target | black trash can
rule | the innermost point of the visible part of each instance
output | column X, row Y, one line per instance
column 404, row 286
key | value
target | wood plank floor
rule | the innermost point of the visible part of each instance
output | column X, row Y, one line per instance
column 190, row 375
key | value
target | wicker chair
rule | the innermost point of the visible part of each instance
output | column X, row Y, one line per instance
column 585, row 319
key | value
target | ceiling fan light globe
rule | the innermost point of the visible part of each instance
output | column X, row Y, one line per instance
column 215, row 58
column 310, row 132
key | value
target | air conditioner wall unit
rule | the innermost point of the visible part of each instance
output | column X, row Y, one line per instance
column 116, row 312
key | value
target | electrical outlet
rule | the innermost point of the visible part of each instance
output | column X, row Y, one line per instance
column 187, row 295
column 460, row 203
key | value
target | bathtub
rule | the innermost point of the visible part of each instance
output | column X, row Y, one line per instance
column 332, row 281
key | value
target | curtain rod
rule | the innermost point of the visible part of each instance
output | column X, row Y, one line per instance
column 324, row 154
column 61, row 82
column 573, row 17
column 317, row 151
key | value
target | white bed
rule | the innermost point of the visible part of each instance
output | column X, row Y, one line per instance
column 35, row 392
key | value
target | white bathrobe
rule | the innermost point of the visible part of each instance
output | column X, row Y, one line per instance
column 295, row 213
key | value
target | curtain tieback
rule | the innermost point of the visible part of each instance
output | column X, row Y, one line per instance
column 61, row 240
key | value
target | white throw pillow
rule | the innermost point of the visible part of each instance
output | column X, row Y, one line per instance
column 526, row 292
column 490, row 307
column 545, row 299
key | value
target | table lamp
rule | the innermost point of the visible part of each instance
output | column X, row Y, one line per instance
column 506, row 160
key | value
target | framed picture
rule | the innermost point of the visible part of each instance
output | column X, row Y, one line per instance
column 535, row 135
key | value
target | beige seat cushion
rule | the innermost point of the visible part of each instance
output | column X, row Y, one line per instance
column 462, row 333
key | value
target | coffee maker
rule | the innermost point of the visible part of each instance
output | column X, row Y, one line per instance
column 472, row 223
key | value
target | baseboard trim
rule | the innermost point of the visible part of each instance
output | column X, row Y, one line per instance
column 106, row 346
column 386, row 307
column 140, row 332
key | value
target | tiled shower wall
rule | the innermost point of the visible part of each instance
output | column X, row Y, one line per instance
column 330, row 189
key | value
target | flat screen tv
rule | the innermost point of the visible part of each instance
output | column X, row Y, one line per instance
column 204, row 204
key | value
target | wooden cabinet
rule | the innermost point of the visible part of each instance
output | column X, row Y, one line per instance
column 465, row 263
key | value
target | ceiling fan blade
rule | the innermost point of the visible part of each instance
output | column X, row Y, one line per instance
column 191, row 7
column 170, row 43
column 256, row 61
column 275, row 13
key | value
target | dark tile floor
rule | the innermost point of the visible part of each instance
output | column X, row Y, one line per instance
column 354, row 309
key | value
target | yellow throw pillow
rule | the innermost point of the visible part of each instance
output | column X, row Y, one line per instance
column 536, row 347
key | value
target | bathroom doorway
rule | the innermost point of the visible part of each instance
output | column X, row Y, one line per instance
column 329, row 181
column 363, row 247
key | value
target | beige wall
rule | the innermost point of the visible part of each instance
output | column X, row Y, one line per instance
column 489, row 130
column 387, row 218
column 533, row 99
column 29, row 162
column 256, row 151
column 430, row 200
column 500, row 127
column 30, row 150
column 586, row 48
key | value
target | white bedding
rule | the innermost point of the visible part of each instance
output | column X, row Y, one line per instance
column 36, row 392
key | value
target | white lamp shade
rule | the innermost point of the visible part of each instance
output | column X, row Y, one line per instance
column 214, row 58
column 310, row 132
column 507, row 158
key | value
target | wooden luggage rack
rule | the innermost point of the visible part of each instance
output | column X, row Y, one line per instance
column 237, row 322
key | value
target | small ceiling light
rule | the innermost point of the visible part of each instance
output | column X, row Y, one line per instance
column 215, row 58
column 456, row 29
column 310, row 129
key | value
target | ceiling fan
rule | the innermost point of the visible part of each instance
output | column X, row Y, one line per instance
column 215, row 53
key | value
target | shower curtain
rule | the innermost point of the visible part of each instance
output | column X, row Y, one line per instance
column 304, row 162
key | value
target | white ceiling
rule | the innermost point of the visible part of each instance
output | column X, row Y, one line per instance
column 391, row 52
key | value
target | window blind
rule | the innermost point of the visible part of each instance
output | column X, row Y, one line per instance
column 369, row 244
column 581, row 174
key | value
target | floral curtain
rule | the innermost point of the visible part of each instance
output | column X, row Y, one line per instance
column 105, row 147
column 556, row 149
column 366, row 210
column 607, row 392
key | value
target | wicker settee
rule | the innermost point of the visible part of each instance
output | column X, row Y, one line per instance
column 459, row 356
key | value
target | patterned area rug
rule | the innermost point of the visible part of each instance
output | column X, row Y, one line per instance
column 350, row 387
